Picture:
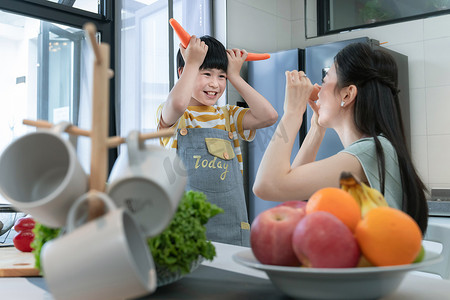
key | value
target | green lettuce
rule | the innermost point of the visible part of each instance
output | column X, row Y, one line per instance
column 42, row 234
column 184, row 240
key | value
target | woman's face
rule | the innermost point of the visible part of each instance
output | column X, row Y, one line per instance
column 329, row 100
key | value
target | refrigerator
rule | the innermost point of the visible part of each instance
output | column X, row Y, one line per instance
column 268, row 78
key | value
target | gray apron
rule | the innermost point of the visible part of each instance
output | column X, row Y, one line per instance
column 213, row 168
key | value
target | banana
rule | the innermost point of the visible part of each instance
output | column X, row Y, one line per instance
column 366, row 196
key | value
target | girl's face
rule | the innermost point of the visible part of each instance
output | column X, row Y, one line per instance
column 329, row 100
column 209, row 86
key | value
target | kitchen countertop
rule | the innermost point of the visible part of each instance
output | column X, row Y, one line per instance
column 224, row 279
column 443, row 221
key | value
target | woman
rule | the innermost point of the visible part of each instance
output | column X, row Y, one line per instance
column 359, row 100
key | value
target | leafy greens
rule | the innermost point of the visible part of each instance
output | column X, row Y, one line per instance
column 42, row 234
column 184, row 240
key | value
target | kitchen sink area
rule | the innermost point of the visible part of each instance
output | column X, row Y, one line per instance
column 8, row 217
column 439, row 204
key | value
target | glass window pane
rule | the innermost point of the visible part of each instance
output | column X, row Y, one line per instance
column 40, row 77
column 87, row 5
column 154, row 53
column 145, row 63
column 64, row 54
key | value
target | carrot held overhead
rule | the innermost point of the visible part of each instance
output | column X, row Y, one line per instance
column 185, row 37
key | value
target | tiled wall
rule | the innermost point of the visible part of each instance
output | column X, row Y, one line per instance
column 273, row 25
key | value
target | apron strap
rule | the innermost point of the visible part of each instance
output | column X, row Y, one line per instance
column 226, row 113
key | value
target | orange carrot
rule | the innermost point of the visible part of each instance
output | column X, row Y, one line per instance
column 182, row 34
column 315, row 93
column 185, row 37
column 257, row 56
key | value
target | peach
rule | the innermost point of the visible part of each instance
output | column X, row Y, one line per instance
column 271, row 235
column 321, row 240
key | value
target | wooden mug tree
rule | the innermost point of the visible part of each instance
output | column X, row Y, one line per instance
column 100, row 142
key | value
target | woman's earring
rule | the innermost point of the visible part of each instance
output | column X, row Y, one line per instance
column 342, row 103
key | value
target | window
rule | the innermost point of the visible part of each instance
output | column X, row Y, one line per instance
column 46, row 65
column 148, row 53
column 46, row 61
column 336, row 16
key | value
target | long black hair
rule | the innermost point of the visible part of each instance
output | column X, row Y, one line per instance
column 377, row 112
column 216, row 57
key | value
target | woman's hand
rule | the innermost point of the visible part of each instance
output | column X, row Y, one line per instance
column 298, row 90
column 195, row 52
column 315, row 116
column 236, row 58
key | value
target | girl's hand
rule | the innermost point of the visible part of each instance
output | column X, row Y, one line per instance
column 236, row 58
column 195, row 52
column 298, row 90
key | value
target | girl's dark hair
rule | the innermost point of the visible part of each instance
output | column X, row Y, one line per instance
column 216, row 57
column 377, row 112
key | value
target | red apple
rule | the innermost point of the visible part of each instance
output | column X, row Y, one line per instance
column 294, row 203
column 271, row 235
column 321, row 240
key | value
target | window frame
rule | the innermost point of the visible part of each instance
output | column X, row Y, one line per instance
column 74, row 17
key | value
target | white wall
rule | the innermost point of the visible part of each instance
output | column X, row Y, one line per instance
column 263, row 26
column 268, row 26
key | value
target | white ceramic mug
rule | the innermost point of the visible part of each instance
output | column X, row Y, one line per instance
column 107, row 258
column 149, row 181
column 40, row 175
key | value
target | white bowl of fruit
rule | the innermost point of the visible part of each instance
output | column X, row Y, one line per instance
column 341, row 244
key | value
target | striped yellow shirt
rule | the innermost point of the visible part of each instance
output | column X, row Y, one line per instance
column 212, row 117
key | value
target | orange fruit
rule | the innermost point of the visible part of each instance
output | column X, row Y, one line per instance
column 337, row 202
column 388, row 237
